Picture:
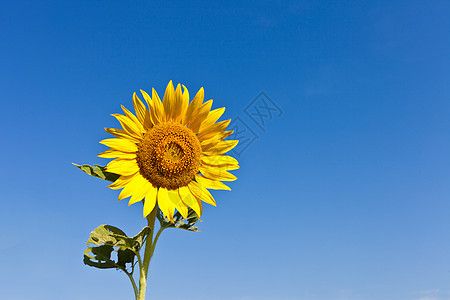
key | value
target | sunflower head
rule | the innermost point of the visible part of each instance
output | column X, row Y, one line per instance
column 170, row 152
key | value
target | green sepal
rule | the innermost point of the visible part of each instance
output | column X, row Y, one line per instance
column 179, row 221
column 98, row 171
column 107, row 239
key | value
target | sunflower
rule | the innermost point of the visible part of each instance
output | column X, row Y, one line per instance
column 170, row 153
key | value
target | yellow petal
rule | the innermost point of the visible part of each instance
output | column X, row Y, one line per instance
column 200, row 115
column 169, row 101
column 120, row 144
column 189, row 199
column 147, row 98
column 122, row 134
column 158, row 113
column 194, row 106
column 209, row 143
column 121, row 182
column 219, row 160
column 139, row 108
column 185, row 104
column 142, row 190
column 222, row 147
column 133, row 118
column 123, row 166
column 153, row 116
column 226, row 167
column 164, row 203
column 201, row 193
column 211, row 184
column 142, row 113
column 217, row 173
column 150, row 201
column 111, row 153
column 213, row 130
column 129, row 126
column 212, row 118
column 177, row 104
column 225, row 134
column 130, row 187
column 149, row 121
column 179, row 205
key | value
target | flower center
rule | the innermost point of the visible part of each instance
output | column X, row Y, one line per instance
column 169, row 155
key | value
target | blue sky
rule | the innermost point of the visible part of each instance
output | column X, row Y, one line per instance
column 343, row 193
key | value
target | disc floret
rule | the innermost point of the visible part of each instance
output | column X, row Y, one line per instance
column 169, row 155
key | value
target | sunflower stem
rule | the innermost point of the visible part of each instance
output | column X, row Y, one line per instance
column 156, row 240
column 147, row 254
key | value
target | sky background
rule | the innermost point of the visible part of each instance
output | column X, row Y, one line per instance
column 342, row 194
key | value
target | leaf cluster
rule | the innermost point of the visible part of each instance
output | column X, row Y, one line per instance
column 179, row 221
column 106, row 240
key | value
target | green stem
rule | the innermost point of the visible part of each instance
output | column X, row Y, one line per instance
column 147, row 255
column 139, row 259
column 156, row 240
column 133, row 283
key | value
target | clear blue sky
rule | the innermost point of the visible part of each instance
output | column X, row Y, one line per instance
column 345, row 195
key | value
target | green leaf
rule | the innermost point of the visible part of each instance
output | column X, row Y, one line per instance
column 101, row 257
column 179, row 221
column 124, row 257
column 108, row 239
column 98, row 171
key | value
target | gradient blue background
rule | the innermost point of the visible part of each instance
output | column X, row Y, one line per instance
column 344, row 196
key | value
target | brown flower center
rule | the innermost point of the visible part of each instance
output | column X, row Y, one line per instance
column 169, row 155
